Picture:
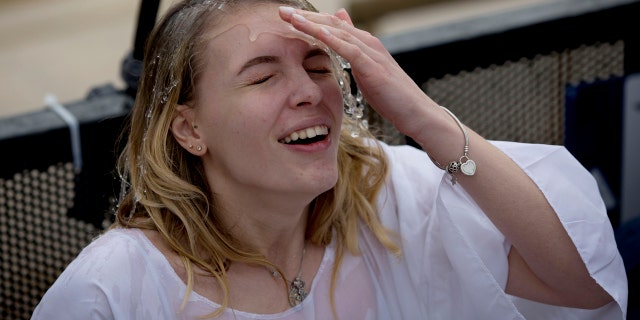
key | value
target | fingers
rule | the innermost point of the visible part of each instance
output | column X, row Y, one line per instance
column 339, row 21
column 336, row 31
column 344, row 15
column 287, row 13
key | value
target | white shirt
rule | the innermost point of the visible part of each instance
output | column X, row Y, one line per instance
column 454, row 262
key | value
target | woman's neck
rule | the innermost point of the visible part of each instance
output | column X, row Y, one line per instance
column 278, row 233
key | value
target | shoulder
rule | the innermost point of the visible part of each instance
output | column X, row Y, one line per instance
column 114, row 248
column 99, row 278
column 106, row 256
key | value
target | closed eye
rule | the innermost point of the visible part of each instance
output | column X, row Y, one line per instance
column 260, row 80
column 319, row 71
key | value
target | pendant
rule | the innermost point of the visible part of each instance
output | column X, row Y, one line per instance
column 297, row 293
column 468, row 167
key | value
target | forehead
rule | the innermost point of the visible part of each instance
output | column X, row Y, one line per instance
column 254, row 24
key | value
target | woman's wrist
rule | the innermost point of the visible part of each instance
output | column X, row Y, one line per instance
column 445, row 139
column 464, row 164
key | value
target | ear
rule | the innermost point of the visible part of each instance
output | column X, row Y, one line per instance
column 185, row 132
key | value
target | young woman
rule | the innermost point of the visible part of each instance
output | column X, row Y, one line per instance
column 247, row 196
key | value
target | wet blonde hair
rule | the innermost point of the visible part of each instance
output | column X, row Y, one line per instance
column 164, row 188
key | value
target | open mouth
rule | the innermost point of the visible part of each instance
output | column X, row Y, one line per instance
column 306, row 136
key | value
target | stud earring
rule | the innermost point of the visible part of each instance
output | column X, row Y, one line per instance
column 190, row 146
column 199, row 148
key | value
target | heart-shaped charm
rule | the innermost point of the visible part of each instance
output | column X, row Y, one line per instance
column 468, row 167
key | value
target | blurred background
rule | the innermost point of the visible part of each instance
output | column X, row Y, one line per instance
column 65, row 47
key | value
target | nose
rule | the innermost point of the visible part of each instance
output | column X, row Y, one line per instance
column 305, row 91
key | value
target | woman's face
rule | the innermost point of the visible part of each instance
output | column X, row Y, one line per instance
column 263, row 85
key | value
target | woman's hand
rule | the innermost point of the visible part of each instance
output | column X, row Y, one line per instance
column 385, row 86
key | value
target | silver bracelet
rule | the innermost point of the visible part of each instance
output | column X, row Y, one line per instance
column 464, row 164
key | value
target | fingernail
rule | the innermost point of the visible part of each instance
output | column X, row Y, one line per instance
column 287, row 10
column 299, row 18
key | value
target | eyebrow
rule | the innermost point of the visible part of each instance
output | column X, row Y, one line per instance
column 257, row 61
column 316, row 52
column 272, row 59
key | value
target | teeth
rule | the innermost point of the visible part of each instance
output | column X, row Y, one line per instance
column 306, row 133
column 311, row 133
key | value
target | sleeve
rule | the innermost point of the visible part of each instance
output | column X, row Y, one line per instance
column 455, row 259
column 574, row 195
column 453, row 250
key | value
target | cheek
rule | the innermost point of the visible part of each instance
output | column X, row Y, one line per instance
column 333, row 96
column 245, row 125
column 250, row 124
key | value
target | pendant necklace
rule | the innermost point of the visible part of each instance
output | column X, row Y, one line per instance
column 297, row 294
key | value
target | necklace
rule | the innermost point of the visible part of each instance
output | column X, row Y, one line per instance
column 297, row 294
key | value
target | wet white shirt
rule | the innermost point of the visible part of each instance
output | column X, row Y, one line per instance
column 454, row 262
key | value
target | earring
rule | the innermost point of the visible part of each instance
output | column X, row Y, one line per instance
column 199, row 148
column 190, row 146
